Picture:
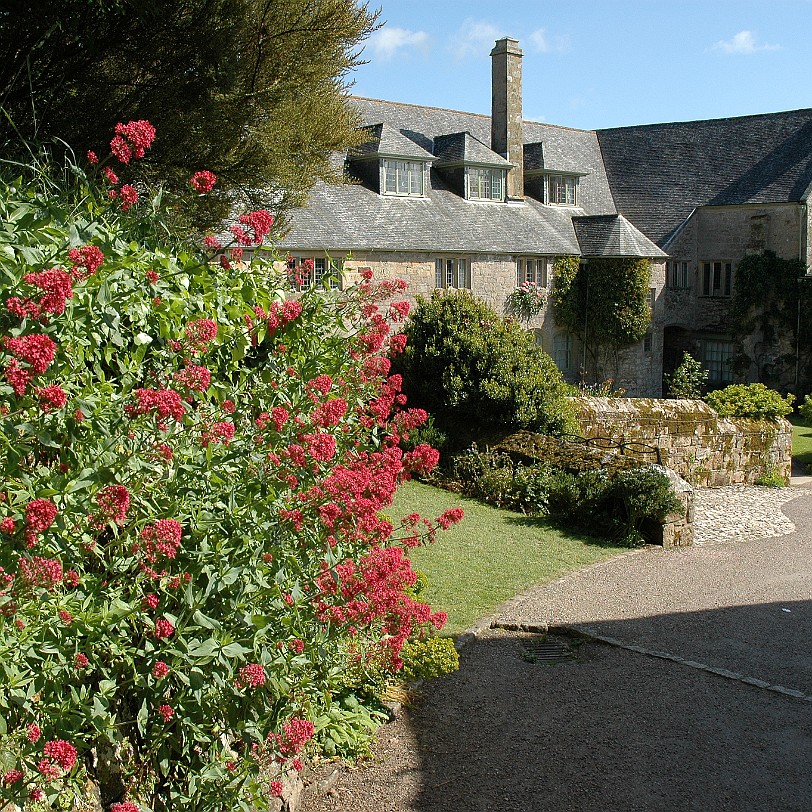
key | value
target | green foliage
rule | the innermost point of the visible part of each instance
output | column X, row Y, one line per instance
column 769, row 296
column 688, row 379
column 605, row 300
column 525, row 302
column 253, row 90
column 753, row 400
column 574, row 487
column 429, row 658
column 805, row 409
column 472, row 369
column 428, row 433
column 771, row 478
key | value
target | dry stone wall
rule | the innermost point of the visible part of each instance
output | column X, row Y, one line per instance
column 703, row 448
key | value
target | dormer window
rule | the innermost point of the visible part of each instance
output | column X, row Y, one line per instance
column 402, row 178
column 562, row 190
column 484, row 183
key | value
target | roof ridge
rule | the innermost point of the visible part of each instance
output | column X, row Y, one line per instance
column 707, row 120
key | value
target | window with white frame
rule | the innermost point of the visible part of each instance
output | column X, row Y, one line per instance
column 717, row 358
column 717, row 278
column 483, row 183
column 402, row 178
column 678, row 274
column 452, row 272
column 531, row 269
column 562, row 351
column 318, row 271
column 562, row 190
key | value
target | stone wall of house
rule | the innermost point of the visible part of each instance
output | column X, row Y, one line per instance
column 493, row 278
column 694, row 441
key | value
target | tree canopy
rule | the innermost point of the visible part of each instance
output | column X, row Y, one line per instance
column 252, row 90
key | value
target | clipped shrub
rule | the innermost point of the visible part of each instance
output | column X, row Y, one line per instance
column 194, row 466
column 752, row 400
column 429, row 658
column 471, row 369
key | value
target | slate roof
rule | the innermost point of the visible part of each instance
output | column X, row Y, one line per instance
column 388, row 141
column 458, row 148
column 659, row 173
column 612, row 235
column 339, row 219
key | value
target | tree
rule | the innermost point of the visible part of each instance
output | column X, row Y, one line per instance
column 252, row 90
column 605, row 302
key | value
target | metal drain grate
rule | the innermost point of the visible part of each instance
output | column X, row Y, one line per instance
column 539, row 648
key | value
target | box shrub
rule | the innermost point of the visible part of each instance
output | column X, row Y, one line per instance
column 752, row 400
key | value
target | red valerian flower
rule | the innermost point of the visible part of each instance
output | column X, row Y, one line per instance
column 39, row 571
column 129, row 196
column 132, row 139
column 164, row 402
column 80, row 661
column 275, row 789
column 251, row 676
column 65, row 617
column 161, row 538
column 222, row 432
column 62, row 752
column 71, row 578
column 11, row 777
column 449, row 517
column 114, row 501
column 92, row 158
column 57, row 286
column 110, row 176
column 37, row 350
column 152, row 277
column 7, row 525
column 125, row 807
column 200, row 333
column 17, row 377
column 194, row 377
column 163, row 628
column 166, row 712
column 160, row 669
column 51, row 397
column 32, row 733
column 228, row 406
column 86, row 261
column 260, row 222
column 203, row 181
column 212, row 243
column 40, row 514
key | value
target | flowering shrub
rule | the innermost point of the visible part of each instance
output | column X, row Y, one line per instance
column 194, row 467
column 526, row 301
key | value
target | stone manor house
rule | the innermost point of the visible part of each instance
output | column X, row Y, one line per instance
column 446, row 199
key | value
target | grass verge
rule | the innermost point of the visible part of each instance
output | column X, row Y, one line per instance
column 490, row 556
column 801, row 441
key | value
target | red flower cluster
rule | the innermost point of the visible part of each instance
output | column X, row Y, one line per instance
column 203, row 182
column 132, row 140
column 163, row 628
column 199, row 334
column 80, row 661
column 11, row 777
column 51, row 397
column 86, row 261
column 160, row 669
column 129, row 196
column 222, row 432
column 260, row 222
column 161, row 539
column 40, row 515
column 62, row 752
column 166, row 712
column 251, row 676
column 163, row 402
column 38, row 351
column 321, row 446
column 296, row 733
column 32, row 733
column 114, row 501
column 125, row 807
column 449, row 517
column 39, row 571
column 193, row 377
column 57, row 287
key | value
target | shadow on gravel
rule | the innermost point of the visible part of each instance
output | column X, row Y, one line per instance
column 610, row 730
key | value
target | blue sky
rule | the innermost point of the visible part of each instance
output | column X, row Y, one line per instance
column 597, row 63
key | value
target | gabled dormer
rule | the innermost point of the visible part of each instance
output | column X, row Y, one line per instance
column 390, row 163
column 550, row 179
column 470, row 167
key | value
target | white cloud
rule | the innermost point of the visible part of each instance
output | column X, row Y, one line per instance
column 475, row 38
column 543, row 42
column 743, row 43
column 387, row 42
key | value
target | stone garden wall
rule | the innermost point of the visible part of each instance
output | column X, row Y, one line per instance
column 703, row 448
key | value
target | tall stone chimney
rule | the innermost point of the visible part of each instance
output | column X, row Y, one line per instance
column 507, row 136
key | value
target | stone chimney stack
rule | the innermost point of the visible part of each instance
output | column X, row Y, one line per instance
column 507, row 136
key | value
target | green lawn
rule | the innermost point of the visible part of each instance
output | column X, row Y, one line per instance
column 490, row 556
column 801, row 441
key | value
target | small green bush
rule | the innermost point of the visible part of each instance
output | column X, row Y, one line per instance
column 771, row 478
column 805, row 409
column 688, row 379
column 753, row 400
column 429, row 658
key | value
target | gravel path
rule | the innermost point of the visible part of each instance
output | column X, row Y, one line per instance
column 720, row 718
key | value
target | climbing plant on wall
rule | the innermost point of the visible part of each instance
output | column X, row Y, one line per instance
column 771, row 320
column 605, row 303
